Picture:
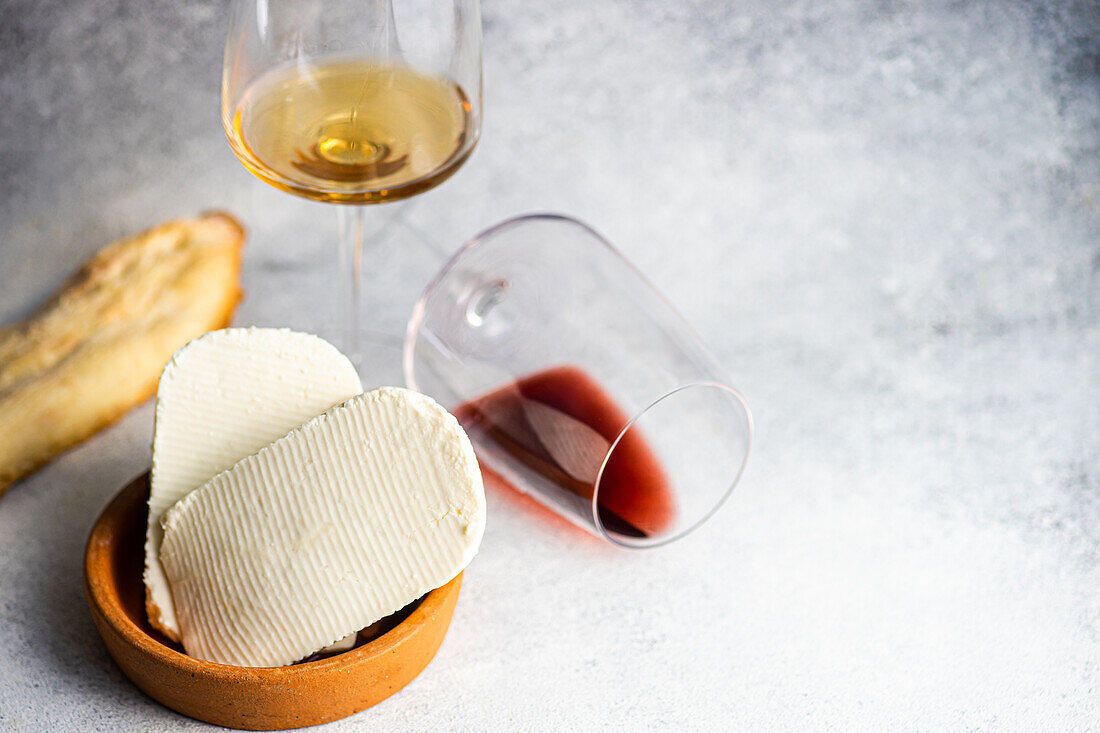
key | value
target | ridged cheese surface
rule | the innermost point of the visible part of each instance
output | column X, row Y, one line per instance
column 222, row 397
column 342, row 522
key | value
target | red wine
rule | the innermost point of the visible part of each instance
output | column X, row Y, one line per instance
column 558, row 425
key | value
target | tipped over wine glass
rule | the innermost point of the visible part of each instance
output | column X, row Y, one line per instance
column 337, row 102
column 578, row 383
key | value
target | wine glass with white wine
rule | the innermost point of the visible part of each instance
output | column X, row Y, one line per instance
column 352, row 103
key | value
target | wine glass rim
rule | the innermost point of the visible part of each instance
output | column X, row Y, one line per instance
column 638, row 544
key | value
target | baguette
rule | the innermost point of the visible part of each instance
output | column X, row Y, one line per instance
column 97, row 347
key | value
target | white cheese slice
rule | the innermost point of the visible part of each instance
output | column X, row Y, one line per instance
column 342, row 645
column 342, row 522
column 222, row 397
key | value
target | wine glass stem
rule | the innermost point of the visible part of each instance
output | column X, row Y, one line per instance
column 351, row 276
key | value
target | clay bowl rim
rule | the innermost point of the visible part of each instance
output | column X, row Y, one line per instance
column 98, row 551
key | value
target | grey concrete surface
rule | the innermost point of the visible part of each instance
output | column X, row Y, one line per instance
column 884, row 217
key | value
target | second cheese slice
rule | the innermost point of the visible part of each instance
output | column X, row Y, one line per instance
column 341, row 522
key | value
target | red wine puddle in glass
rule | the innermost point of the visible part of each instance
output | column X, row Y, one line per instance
column 559, row 424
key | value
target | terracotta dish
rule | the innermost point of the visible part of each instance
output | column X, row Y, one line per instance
column 253, row 698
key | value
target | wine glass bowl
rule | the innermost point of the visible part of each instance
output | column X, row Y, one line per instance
column 334, row 102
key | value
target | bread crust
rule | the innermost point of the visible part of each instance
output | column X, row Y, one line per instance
column 96, row 348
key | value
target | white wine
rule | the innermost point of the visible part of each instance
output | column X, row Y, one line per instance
column 352, row 130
